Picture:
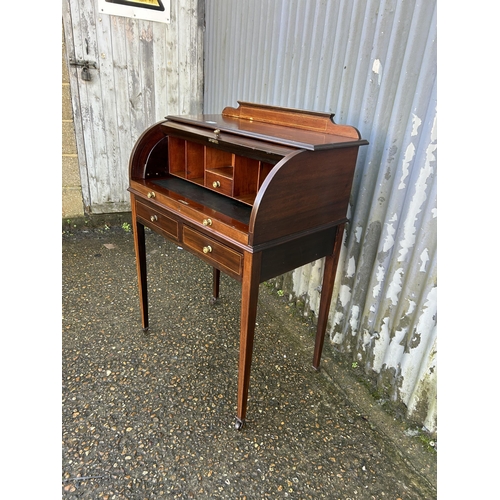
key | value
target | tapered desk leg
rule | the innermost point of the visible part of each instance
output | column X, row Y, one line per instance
column 331, row 263
column 216, row 283
column 140, row 262
column 249, row 299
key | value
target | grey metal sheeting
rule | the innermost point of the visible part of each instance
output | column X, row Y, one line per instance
column 373, row 64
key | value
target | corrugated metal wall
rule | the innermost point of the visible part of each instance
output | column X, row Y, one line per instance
column 373, row 64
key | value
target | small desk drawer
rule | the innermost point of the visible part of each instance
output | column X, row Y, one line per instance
column 219, row 183
column 157, row 219
column 214, row 252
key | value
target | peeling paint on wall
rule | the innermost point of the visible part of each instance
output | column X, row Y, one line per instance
column 380, row 279
column 377, row 69
column 395, row 287
column 390, row 231
column 345, row 295
column 424, row 258
column 354, row 319
column 426, row 329
column 409, row 154
column 418, row 199
column 358, row 234
column 416, row 124
column 351, row 267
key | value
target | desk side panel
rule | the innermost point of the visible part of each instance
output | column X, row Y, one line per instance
column 285, row 257
column 149, row 157
column 306, row 190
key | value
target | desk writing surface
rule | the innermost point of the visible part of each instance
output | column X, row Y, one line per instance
column 215, row 201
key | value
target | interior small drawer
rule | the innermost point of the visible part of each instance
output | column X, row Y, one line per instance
column 219, row 183
column 157, row 219
column 219, row 255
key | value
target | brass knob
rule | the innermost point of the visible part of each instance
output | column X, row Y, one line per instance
column 217, row 131
column 207, row 249
column 151, row 194
column 207, row 222
column 216, row 184
column 154, row 218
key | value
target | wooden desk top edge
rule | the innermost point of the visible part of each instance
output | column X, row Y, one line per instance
column 303, row 129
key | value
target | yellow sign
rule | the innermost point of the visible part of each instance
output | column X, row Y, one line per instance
column 146, row 4
column 150, row 10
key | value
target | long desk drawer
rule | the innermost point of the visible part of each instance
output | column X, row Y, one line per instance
column 155, row 218
column 224, row 258
column 173, row 195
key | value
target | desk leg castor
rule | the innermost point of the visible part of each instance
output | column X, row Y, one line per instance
column 238, row 424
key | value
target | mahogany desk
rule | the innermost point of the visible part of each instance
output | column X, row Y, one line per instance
column 255, row 192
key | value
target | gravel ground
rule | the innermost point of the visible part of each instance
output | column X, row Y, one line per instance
column 152, row 416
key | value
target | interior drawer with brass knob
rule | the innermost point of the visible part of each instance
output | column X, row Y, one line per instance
column 219, row 182
column 219, row 255
column 157, row 219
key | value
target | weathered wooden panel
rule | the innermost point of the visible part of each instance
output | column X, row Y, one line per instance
column 144, row 71
column 373, row 64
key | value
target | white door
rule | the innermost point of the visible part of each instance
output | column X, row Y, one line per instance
column 126, row 74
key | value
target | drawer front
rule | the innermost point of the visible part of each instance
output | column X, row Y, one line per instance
column 219, row 183
column 216, row 253
column 157, row 219
column 215, row 221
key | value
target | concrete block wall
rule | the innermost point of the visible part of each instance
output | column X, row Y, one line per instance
column 72, row 200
